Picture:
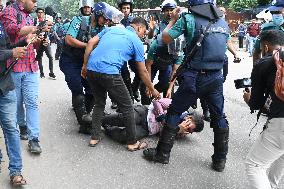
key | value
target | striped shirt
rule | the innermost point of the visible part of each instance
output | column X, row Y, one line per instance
column 10, row 22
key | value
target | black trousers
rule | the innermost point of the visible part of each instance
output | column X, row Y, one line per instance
column 116, row 130
column 101, row 84
column 241, row 41
column 47, row 50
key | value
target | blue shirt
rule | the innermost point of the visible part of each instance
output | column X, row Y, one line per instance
column 117, row 45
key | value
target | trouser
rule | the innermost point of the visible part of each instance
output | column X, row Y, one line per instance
column 72, row 70
column 8, row 108
column 135, row 85
column 117, row 130
column 161, row 86
column 209, row 86
column 125, row 74
column 59, row 48
column 47, row 50
column 267, row 153
column 251, row 42
column 27, row 90
column 101, row 84
column 241, row 41
column 77, row 84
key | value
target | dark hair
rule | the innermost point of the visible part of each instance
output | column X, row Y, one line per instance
column 273, row 37
column 198, row 120
column 39, row 9
column 139, row 21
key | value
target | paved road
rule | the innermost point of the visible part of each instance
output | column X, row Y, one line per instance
column 68, row 163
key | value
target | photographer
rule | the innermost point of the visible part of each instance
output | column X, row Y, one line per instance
column 269, row 148
column 8, row 106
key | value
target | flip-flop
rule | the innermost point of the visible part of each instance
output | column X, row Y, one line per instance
column 18, row 180
column 141, row 145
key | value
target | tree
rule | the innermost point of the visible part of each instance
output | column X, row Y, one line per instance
column 241, row 4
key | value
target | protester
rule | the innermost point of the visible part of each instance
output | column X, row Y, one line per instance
column 104, row 74
column 265, row 160
column 150, row 121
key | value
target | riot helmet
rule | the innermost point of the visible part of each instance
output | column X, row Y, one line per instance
column 168, row 4
column 120, row 3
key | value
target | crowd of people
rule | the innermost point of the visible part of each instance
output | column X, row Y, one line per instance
column 179, row 52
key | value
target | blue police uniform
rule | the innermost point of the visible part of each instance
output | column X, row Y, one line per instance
column 71, row 62
column 201, row 79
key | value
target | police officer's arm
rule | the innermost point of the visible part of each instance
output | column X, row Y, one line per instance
column 174, row 70
column 152, row 25
column 175, row 16
column 73, row 42
column 90, row 46
column 150, row 56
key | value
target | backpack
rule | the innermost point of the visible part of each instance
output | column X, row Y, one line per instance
column 279, row 78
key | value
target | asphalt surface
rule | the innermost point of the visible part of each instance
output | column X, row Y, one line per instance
column 67, row 162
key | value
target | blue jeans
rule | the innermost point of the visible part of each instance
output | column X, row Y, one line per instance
column 8, row 108
column 251, row 42
column 27, row 86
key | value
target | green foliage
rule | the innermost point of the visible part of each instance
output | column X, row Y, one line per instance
column 241, row 4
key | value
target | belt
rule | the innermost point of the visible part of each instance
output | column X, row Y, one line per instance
column 204, row 71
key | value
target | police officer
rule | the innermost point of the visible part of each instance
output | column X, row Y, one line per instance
column 277, row 11
column 159, row 57
column 201, row 78
column 58, row 32
column 80, row 30
column 126, row 7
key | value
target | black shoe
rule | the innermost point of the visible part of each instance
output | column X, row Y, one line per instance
column 23, row 133
column 34, row 146
column 52, row 75
column 151, row 155
column 42, row 75
column 218, row 165
column 113, row 105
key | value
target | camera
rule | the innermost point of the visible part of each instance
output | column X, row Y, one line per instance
column 242, row 83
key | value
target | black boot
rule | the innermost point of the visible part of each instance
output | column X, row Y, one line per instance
column 221, row 140
column 80, row 111
column 162, row 152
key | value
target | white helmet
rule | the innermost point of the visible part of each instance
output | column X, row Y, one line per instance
column 86, row 3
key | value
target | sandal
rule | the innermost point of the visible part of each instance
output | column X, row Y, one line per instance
column 18, row 180
column 141, row 145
